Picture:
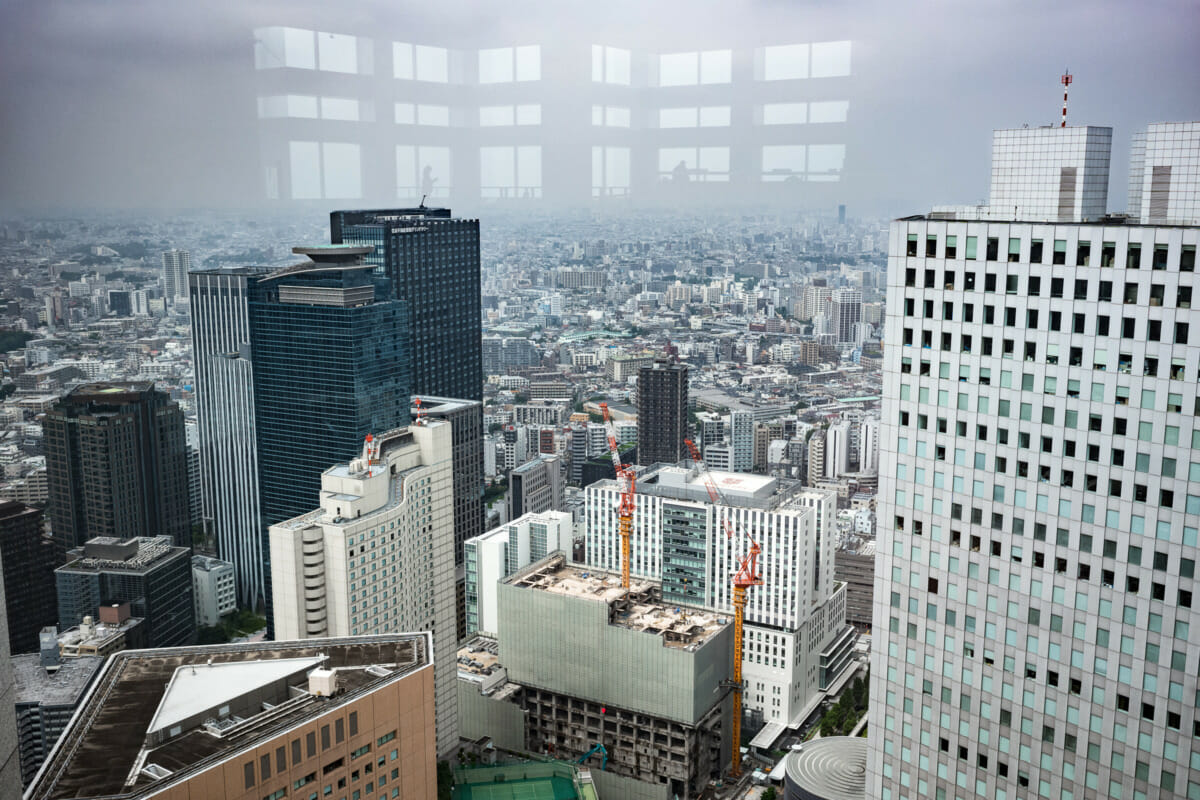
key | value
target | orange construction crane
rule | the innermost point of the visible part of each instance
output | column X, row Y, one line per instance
column 747, row 576
column 626, row 479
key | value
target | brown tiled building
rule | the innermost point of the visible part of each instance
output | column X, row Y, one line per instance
column 338, row 718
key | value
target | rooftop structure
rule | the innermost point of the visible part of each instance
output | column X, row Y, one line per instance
column 148, row 572
column 642, row 608
column 831, row 768
column 160, row 719
column 45, row 699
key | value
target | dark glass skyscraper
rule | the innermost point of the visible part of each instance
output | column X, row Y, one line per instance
column 662, row 412
column 116, row 465
column 331, row 364
column 432, row 261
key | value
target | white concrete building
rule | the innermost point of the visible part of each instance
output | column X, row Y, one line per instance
column 378, row 555
column 868, row 446
column 213, row 588
column 796, row 637
column 837, row 449
column 500, row 552
column 1036, row 583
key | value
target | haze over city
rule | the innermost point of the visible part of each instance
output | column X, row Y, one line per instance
column 135, row 104
column 609, row 401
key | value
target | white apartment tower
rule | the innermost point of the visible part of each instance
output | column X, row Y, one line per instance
column 175, row 264
column 845, row 309
column 1039, row 500
column 493, row 556
column 837, row 449
column 378, row 555
column 797, row 641
column 868, row 446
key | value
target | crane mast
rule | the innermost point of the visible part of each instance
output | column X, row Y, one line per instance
column 626, row 479
column 747, row 576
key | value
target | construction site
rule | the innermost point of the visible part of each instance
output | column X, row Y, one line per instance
column 595, row 667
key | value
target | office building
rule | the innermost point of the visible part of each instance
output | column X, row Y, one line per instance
column 432, row 261
column 580, row 670
column 502, row 551
column 1164, row 174
column 377, row 555
column 220, row 312
column 28, row 557
column 116, row 465
column 536, row 486
column 10, row 763
column 148, row 572
column 191, row 430
column 845, row 308
column 214, row 589
column 331, row 365
column 466, row 435
column 796, row 640
column 1036, row 509
column 253, row 720
column 662, row 413
column 175, row 266
column 47, row 692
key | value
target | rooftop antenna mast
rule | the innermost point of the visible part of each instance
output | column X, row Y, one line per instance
column 1066, row 82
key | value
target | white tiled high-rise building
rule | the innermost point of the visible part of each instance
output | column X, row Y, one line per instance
column 378, row 555
column 797, row 642
column 845, row 312
column 1164, row 174
column 1039, row 506
column 1050, row 173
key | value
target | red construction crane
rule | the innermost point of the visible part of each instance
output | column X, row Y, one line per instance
column 626, row 479
column 714, row 493
column 747, row 576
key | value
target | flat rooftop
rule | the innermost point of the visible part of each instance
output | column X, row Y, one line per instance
column 640, row 609
column 109, row 741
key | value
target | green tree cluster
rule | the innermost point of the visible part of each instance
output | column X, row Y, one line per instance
column 842, row 718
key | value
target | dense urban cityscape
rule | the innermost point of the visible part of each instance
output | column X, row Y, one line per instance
column 510, row 489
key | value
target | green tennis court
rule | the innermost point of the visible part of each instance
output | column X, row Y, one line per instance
column 553, row 788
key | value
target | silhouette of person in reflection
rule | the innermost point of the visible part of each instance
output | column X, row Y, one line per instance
column 680, row 173
column 427, row 181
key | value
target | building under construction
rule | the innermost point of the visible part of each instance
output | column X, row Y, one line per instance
column 638, row 687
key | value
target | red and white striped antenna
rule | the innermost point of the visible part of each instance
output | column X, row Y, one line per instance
column 1066, row 82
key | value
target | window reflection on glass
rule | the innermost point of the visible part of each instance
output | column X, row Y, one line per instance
column 681, row 165
column 422, row 170
column 510, row 171
column 610, row 171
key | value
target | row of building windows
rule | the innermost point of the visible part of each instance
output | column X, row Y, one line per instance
column 1130, row 258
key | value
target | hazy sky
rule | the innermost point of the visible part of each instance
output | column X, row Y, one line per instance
column 145, row 103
